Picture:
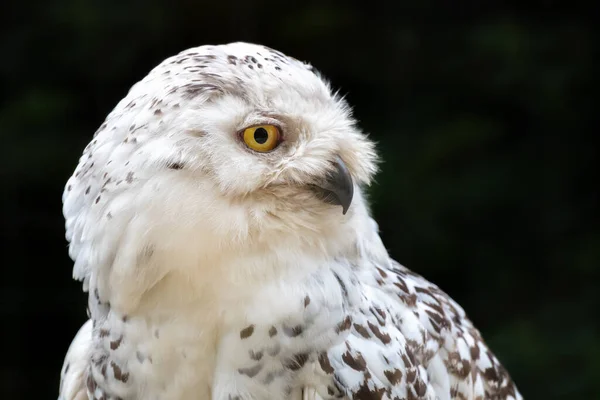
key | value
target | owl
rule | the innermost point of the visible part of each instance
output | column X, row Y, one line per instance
column 217, row 220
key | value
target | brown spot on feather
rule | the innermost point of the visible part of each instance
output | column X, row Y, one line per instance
column 252, row 371
column 344, row 325
column 118, row 373
column 297, row 362
column 116, row 343
column 325, row 363
column 293, row 331
column 357, row 362
column 384, row 337
column 362, row 331
column 247, row 332
column 394, row 376
column 306, row 301
column 272, row 331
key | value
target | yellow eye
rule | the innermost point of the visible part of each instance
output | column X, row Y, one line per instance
column 261, row 138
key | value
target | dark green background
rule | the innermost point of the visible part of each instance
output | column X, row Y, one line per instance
column 483, row 114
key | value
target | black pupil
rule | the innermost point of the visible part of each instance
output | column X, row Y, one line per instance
column 261, row 135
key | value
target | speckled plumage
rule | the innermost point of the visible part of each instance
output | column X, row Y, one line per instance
column 214, row 272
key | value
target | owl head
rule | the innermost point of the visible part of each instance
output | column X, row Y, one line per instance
column 232, row 146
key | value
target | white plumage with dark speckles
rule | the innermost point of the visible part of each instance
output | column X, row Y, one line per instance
column 218, row 222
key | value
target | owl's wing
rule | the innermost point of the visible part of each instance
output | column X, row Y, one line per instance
column 410, row 340
column 72, row 375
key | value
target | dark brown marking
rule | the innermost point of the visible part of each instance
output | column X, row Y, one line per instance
column 491, row 374
column 100, row 360
column 380, row 312
column 175, row 165
column 423, row 290
column 475, row 352
column 306, row 301
column 437, row 321
column 118, row 373
column 198, row 88
column 384, row 337
column 116, row 343
column 410, row 300
column 344, row 325
column 256, row 356
column 382, row 272
column 366, row 393
column 457, row 366
column 90, row 383
column 272, row 331
column 420, row 387
column 342, row 285
column 436, row 307
column 357, row 362
column 362, row 331
column 252, row 371
column 247, row 332
column 297, row 362
column 293, row 331
column 402, row 285
column 413, row 345
column 394, row 376
column 325, row 363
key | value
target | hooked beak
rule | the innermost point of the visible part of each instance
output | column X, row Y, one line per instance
column 337, row 189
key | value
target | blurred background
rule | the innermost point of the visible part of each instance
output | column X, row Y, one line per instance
column 483, row 114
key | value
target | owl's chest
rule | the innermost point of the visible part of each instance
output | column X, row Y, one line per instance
column 262, row 346
column 275, row 355
column 158, row 356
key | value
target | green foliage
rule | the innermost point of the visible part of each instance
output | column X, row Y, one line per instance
column 483, row 116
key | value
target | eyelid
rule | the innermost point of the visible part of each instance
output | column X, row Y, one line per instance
column 262, row 119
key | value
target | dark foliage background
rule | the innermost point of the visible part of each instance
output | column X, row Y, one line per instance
column 483, row 112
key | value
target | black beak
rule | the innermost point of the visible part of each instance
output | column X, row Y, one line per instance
column 337, row 188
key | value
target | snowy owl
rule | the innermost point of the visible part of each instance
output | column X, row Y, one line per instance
column 218, row 222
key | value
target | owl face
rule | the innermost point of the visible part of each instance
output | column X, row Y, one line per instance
column 266, row 130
